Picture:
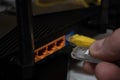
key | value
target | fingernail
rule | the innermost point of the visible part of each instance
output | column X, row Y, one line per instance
column 96, row 47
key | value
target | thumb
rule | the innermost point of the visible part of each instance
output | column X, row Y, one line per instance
column 107, row 49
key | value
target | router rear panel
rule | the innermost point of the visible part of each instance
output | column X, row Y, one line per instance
column 47, row 28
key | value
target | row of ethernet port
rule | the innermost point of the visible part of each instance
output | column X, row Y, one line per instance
column 49, row 48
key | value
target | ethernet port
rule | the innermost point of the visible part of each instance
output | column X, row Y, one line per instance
column 60, row 43
column 42, row 51
column 51, row 48
column 35, row 53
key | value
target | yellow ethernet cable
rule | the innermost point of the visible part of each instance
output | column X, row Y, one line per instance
column 81, row 51
column 81, row 40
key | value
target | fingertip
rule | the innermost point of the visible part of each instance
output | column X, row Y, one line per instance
column 107, row 71
column 97, row 50
column 96, row 47
column 89, row 67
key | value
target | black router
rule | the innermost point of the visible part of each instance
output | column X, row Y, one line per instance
column 49, row 32
column 35, row 39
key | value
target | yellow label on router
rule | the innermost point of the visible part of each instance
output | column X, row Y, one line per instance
column 81, row 40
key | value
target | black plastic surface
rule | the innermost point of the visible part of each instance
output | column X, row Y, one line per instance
column 46, row 28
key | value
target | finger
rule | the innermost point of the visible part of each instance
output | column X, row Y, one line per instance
column 107, row 49
column 89, row 67
column 107, row 71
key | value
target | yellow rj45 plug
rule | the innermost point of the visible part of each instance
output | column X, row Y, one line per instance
column 81, row 51
column 81, row 40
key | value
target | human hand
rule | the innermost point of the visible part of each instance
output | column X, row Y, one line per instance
column 108, row 50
